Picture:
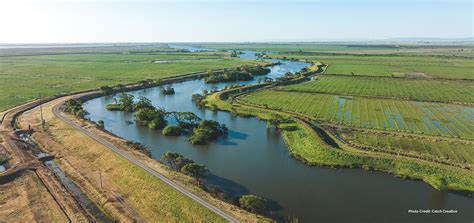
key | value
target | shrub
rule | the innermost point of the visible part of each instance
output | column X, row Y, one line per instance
column 74, row 107
column 172, row 130
column 113, row 107
column 194, row 170
column 167, row 90
column 253, row 204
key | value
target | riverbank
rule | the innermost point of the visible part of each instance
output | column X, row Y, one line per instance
column 305, row 144
column 132, row 193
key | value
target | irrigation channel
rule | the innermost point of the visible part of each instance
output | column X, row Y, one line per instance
column 76, row 192
column 254, row 159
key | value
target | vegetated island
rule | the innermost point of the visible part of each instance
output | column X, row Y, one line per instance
column 244, row 73
column 199, row 131
column 167, row 90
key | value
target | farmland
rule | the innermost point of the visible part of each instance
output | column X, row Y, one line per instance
column 403, row 88
column 453, row 49
column 393, row 65
column 314, row 147
column 22, row 78
column 455, row 61
column 305, row 144
column 385, row 114
column 445, row 150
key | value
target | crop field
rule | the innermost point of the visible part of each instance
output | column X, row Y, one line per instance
column 356, row 48
column 310, row 147
column 22, row 78
column 393, row 65
column 406, row 88
column 397, row 115
column 459, row 152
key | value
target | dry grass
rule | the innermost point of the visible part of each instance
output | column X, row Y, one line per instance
column 26, row 200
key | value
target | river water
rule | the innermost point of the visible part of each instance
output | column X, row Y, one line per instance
column 254, row 159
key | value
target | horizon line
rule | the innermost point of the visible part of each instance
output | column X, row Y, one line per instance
column 396, row 39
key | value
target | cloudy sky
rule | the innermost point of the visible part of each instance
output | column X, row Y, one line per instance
column 66, row 21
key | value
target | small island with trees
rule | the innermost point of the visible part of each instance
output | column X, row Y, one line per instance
column 167, row 90
column 244, row 73
column 200, row 132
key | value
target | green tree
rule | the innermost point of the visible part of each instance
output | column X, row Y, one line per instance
column 74, row 107
column 158, row 122
column 253, row 204
column 194, row 170
column 206, row 131
column 101, row 124
column 143, row 102
column 106, row 90
column 126, row 102
column 152, row 117
column 167, row 90
column 175, row 160
column 170, row 158
column 172, row 130
column 186, row 120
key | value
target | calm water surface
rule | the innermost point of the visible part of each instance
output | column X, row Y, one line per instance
column 254, row 159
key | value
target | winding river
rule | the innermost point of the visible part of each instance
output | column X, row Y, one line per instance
column 254, row 159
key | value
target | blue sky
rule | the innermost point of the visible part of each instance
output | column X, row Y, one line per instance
column 55, row 21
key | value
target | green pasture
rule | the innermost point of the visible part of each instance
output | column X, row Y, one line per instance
column 396, row 66
column 22, row 78
column 404, row 88
column 462, row 50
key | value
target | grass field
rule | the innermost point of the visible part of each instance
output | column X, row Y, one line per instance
column 409, row 116
column 398, row 66
column 393, row 59
column 405, row 88
column 22, row 78
column 451, row 49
